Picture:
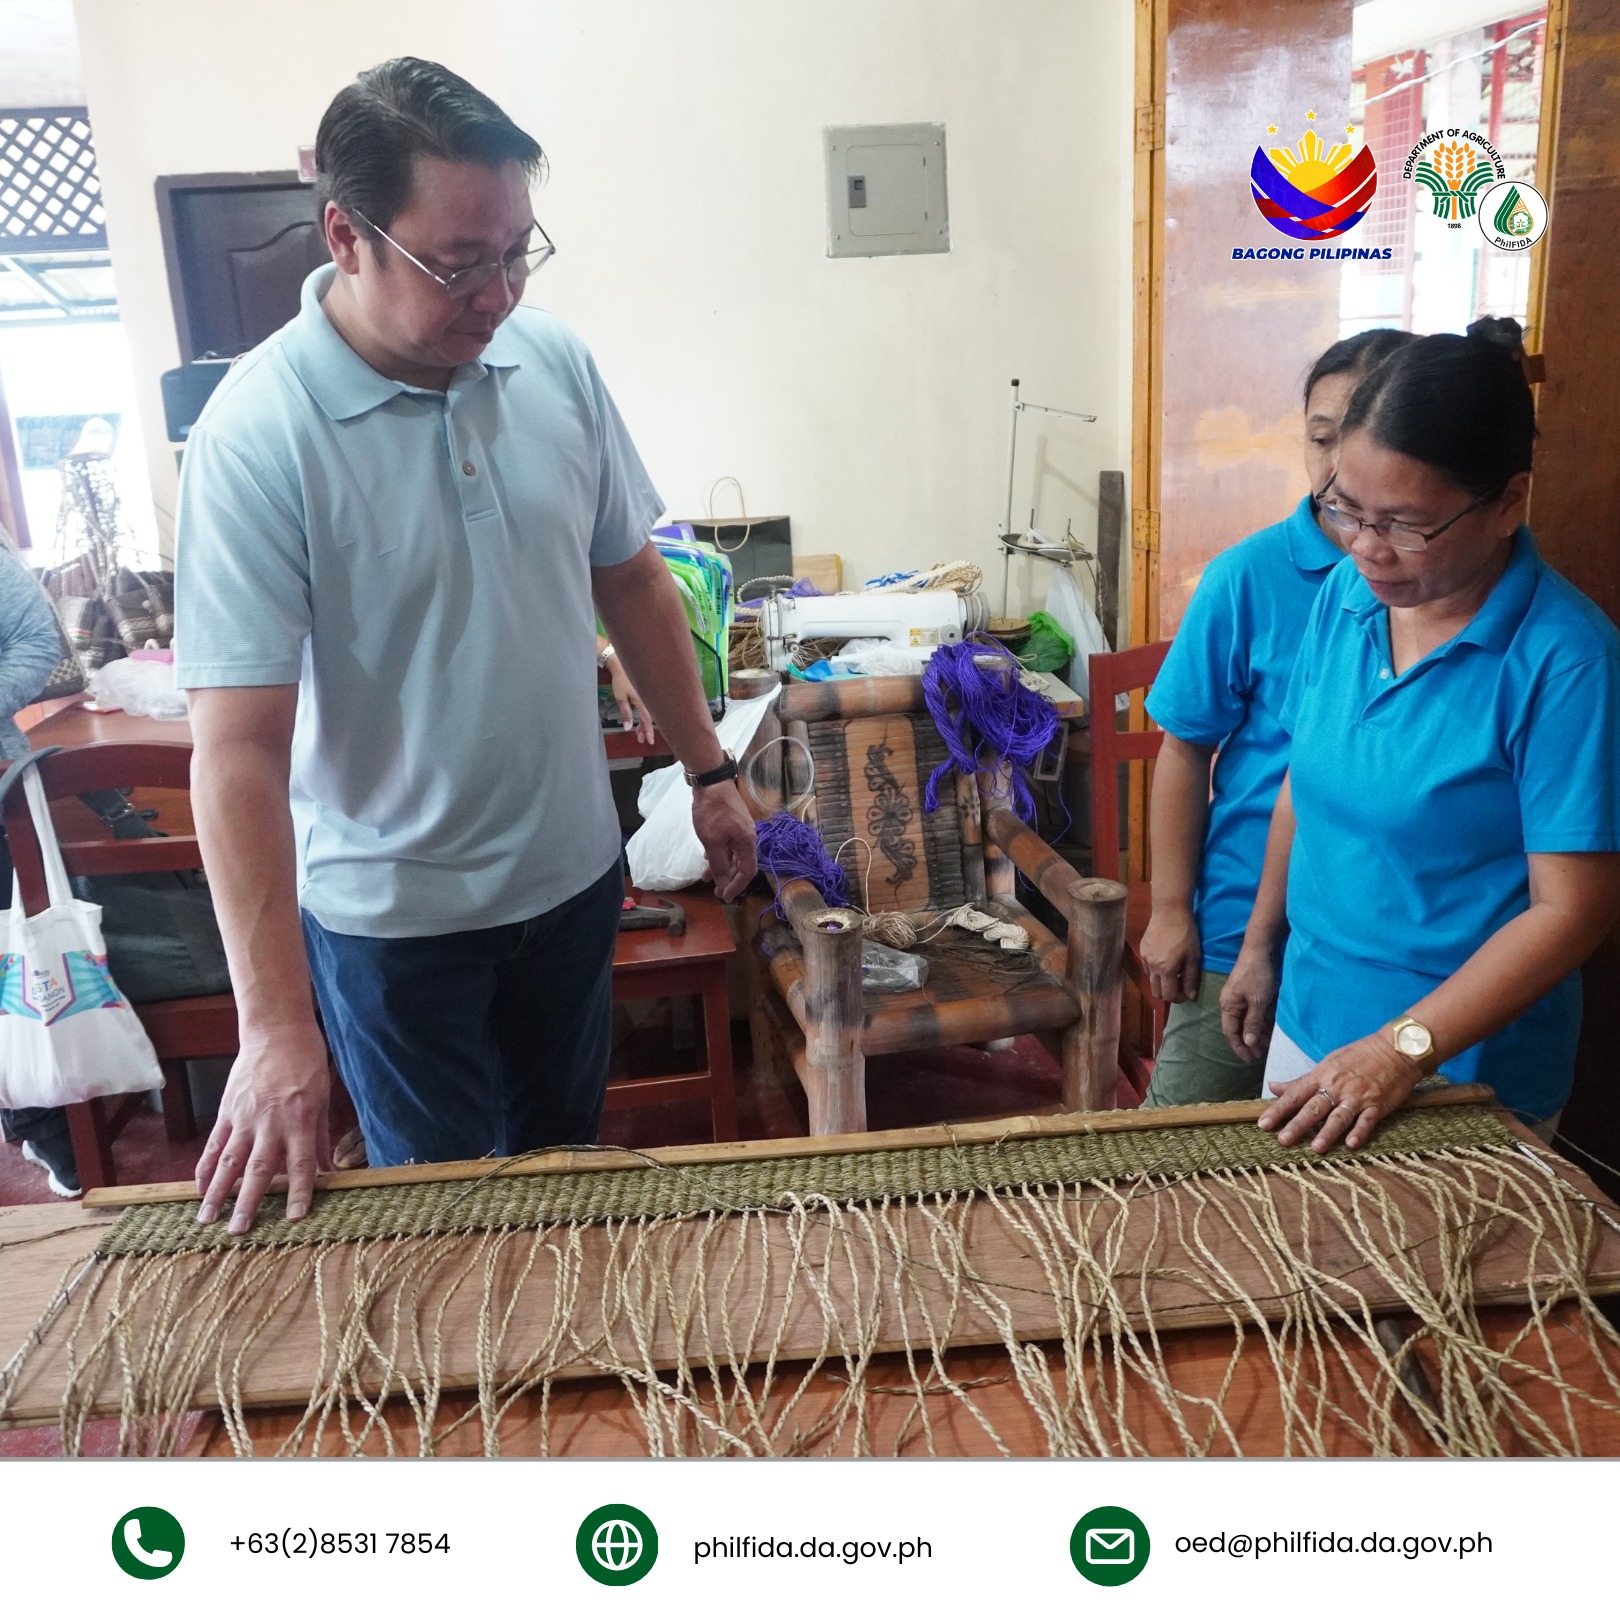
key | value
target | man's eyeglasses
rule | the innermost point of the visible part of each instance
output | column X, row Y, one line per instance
column 1402, row 536
column 468, row 283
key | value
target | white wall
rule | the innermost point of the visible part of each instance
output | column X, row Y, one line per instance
column 865, row 398
column 39, row 55
column 203, row 86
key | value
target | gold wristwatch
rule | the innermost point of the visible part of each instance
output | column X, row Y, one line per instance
column 1413, row 1040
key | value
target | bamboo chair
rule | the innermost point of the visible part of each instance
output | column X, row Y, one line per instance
column 1112, row 674
column 874, row 746
column 180, row 1029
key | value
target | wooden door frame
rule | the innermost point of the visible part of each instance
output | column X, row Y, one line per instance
column 1552, row 88
column 1147, row 316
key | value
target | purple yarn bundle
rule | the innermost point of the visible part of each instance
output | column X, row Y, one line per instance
column 788, row 849
column 986, row 717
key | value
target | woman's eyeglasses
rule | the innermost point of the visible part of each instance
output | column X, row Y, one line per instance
column 1402, row 536
column 468, row 283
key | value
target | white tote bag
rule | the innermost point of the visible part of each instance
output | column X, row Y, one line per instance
column 66, row 1034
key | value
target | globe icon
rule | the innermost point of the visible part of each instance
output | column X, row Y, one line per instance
column 616, row 1544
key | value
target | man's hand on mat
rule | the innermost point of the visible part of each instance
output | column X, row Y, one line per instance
column 1345, row 1095
column 272, row 1118
column 1172, row 955
column 1249, row 1003
column 726, row 831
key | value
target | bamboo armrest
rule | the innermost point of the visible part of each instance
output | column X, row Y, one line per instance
column 801, row 901
column 1034, row 857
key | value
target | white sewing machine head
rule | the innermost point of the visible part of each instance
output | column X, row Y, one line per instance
column 919, row 621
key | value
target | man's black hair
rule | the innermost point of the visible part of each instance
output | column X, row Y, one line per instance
column 375, row 129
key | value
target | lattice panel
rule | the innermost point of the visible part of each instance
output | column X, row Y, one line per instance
column 50, row 192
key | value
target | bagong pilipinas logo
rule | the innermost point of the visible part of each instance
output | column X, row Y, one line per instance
column 1313, row 192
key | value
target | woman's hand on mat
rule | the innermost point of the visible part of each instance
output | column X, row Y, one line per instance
column 1172, row 954
column 1345, row 1095
column 272, row 1119
column 1249, row 1003
column 632, row 711
column 726, row 831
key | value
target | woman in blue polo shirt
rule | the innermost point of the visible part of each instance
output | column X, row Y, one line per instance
column 1221, row 688
column 1447, row 832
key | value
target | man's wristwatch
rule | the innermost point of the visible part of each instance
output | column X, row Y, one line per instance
column 1413, row 1040
column 726, row 771
column 603, row 656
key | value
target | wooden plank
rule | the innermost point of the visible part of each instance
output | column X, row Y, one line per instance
column 1013, row 1128
column 1110, row 523
column 592, row 1418
column 1158, row 1281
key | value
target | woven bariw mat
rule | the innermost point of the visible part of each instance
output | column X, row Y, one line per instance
column 714, row 1295
column 506, row 1200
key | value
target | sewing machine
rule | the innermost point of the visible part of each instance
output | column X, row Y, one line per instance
column 917, row 620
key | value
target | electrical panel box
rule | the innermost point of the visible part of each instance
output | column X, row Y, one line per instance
column 886, row 190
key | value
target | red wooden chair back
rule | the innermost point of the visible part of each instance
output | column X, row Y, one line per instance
column 89, row 769
column 1112, row 674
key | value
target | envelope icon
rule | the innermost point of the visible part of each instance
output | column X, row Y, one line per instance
column 1110, row 1546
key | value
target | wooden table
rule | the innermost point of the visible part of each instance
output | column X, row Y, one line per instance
column 67, row 724
column 651, row 964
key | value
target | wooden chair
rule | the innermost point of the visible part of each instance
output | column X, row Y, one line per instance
column 181, row 1029
column 1111, row 675
column 874, row 747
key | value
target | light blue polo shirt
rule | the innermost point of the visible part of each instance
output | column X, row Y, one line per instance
column 1222, row 686
column 419, row 563
column 1418, row 797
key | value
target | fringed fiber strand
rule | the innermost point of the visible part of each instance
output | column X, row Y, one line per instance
column 715, row 1323
column 986, row 717
column 789, row 848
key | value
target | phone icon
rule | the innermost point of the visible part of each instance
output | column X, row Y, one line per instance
column 161, row 1559
column 148, row 1543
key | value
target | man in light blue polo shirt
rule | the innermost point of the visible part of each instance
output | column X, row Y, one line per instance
column 399, row 518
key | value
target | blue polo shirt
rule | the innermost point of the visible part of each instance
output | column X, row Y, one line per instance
column 419, row 564
column 1419, row 796
column 1222, row 685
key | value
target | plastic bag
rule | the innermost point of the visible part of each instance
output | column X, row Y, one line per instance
column 1049, row 647
column 139, row 686
column 876, row 655
column 883, row 968
column 1068, row 604
column 68, row 1034
column 664, row 852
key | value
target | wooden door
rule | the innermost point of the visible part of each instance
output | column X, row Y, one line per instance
column 1575, row 500
column 1222, row 344
column 238, row 247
